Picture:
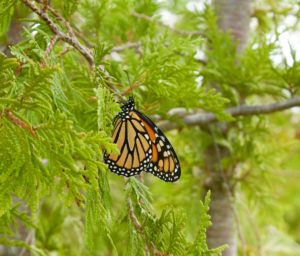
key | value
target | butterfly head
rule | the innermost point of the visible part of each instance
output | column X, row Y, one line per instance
column 128, row 105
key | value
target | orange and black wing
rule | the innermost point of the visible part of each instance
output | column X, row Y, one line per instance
column 164, row 162
column 134, row 144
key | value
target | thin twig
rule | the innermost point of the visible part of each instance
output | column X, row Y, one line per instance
column 243, row 177
column 133, row 218
column 133, row 86
column 128, row 45
column 83, row 38
column 70, row 39
column 64, row 21
column 51, row 45
column 45, row 3
column 177, row 31
column 58, row 17
column 66, row 50
column 138, row 226
column 70, row 28
column 243, row 110
column 17, row 121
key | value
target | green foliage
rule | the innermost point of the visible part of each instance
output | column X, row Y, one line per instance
column 57, row 112
column 166, row 232
column 6, row 12
column 199, row 247
column 48, row 149
column 97, row 219
column 67, row 8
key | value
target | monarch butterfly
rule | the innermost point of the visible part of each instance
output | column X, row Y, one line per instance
column 142, row 145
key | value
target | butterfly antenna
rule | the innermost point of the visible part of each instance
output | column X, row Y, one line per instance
column 130, row 89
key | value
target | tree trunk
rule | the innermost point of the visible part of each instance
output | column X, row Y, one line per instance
column 223, row 229
column 234, row 17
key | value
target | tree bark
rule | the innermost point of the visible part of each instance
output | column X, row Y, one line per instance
column 223, row 230
column 233, row 17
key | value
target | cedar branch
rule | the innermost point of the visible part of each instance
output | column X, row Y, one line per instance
column 138, row 227
column 17, row 121
column 188, row 119
column 133, row 218
column 70, row 39
column 128, row 45
column 50, row 46
column 243, row 110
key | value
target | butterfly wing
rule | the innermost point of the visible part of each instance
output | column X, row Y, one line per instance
column 164, row 162
column 134, row 145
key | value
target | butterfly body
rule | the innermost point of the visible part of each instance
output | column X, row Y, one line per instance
column 142, row 146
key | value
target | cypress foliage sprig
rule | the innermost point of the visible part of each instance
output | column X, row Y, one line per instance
column 57, row 112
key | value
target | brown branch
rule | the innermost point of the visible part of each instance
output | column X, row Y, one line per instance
column 70, row 39
column 243, row 110
column 50, row 46
column 139, row 228
column 64, row 21
column 58, row 17
column 46, row 5
column 177, row 31
column 83, row 38
column 129, row 45
column 136, row 84
column 66, row 50
column 17, row 121
column 72, row 30
column 133, row 218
